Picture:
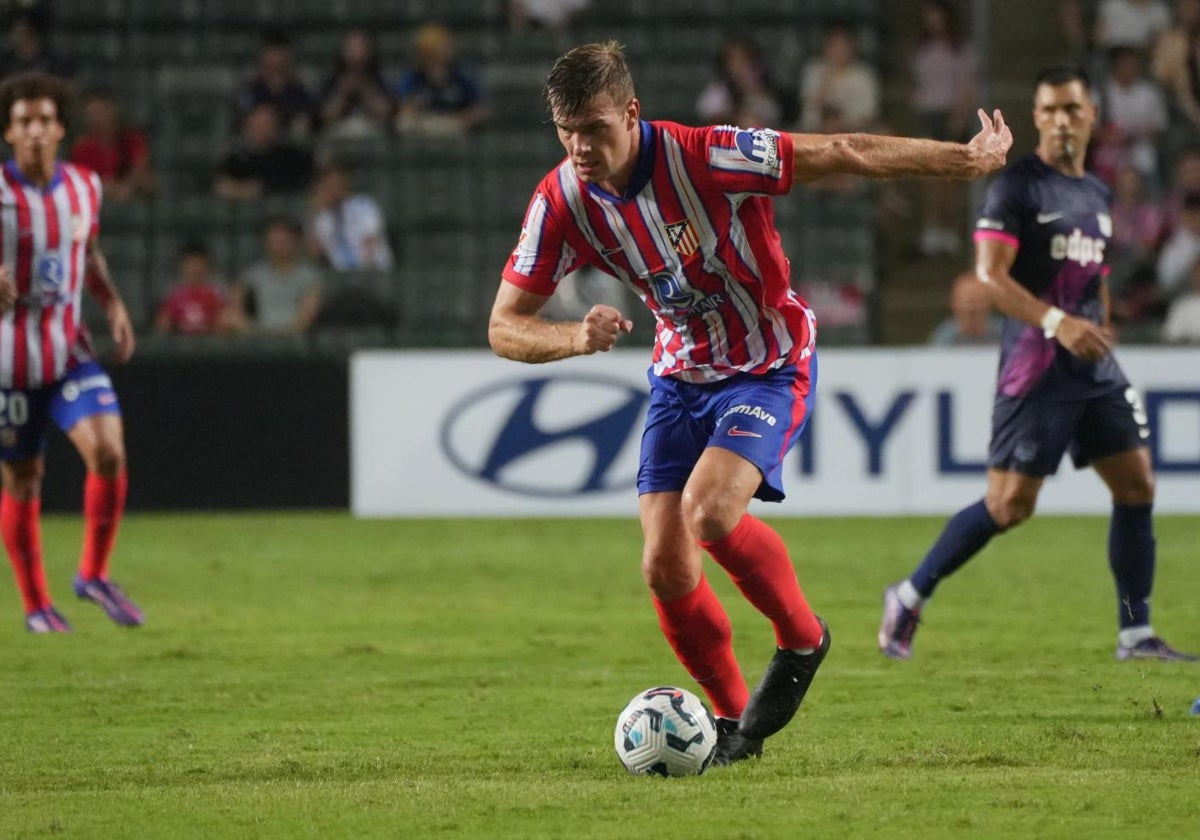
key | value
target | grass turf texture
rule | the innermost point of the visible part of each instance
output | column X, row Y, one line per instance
column 313, row 676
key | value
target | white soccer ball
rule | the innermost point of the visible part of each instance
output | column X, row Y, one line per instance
column 665, row 731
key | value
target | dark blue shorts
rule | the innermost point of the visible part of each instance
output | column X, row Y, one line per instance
column 1031, row 436
column 24, row 414
column 760, row 417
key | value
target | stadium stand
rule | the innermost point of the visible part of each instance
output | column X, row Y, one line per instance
column 453, row 205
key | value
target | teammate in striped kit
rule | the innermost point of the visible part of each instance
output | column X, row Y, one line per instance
column 683, row 217
column 49, row 221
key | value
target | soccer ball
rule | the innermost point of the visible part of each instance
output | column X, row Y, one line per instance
column 665, row 731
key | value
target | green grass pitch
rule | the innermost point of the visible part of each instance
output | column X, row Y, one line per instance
column 308, row 675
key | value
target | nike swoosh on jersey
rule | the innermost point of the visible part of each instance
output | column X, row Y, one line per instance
column 608, row 252
column 734, row 431
column 1046, row 218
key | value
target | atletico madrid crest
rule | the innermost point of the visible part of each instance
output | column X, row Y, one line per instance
column 683, row 237
column 79, row 228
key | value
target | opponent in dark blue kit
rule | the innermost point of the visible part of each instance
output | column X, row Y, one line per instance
column 1040, row 247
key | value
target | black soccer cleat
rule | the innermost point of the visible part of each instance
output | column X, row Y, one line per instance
column 732, row 745
column 784, row 684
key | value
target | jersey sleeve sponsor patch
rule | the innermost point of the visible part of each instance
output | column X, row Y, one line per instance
column 752, row 150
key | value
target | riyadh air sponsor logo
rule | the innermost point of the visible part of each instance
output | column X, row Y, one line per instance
column 50, row 269
column 676, row 296
column 552, row 437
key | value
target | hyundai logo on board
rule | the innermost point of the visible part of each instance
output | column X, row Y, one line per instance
column 552, row 437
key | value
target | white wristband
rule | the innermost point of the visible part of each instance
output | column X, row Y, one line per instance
column 1052, row 320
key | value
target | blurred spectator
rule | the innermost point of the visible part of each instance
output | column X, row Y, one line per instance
column 1130, row 23
column 838, row 91
column 117, row 152
column 1183, row 316
column 275, row 82
column 555, row 15
column 1174, row 63
column 439, row 94
column 1185, row 180
column 741, row 91
column 282, row 292
column 1139, row 222
column 1072, row 21
column 355, row 101
column 945, row 79
column 197, row 304
column 1180, row 251
column 1139, row 227
column 263, row 164
column 347, row 230
column 28, row 48
column 971, row 320
column 1133, row 116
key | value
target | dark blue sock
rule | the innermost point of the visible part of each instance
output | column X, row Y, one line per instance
column 1131, row 558
column 964, row 535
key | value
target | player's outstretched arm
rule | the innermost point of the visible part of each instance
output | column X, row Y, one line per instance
column 517, row 332
column 99, row 283
column 881, row 156
column 993, row 262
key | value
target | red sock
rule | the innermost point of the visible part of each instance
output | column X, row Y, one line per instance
column 19, row 524
column 754, row 555
column 698, row 629
column 103, row 504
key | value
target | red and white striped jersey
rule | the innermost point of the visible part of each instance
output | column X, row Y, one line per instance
column 43, row 243
column 694, row 236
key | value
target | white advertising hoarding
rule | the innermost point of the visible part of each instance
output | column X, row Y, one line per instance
column 894, row 431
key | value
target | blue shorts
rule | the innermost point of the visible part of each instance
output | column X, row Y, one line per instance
column 760, row 417
column 84, row 392
column 1031, row 436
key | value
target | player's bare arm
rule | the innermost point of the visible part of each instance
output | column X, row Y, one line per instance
column 8, row 290
column 516, row 331
column 880, row 156
column 99, row 283
column 993, row 263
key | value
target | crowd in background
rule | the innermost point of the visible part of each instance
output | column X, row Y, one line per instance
column 1144, row 56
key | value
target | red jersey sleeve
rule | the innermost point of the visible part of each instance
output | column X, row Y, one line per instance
column 542, row 256
column 747, row 160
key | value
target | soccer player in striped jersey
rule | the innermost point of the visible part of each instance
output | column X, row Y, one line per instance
column 683, row 217
column 1040, row 245
column 49, row 221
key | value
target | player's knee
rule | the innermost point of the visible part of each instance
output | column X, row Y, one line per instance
column 24, row 481
column 108, row 459
column 1135, row 490
column 710, row 516
column 1010, row 511
column 668, row 575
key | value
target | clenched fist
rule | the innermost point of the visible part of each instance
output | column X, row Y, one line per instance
column 599, row 329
